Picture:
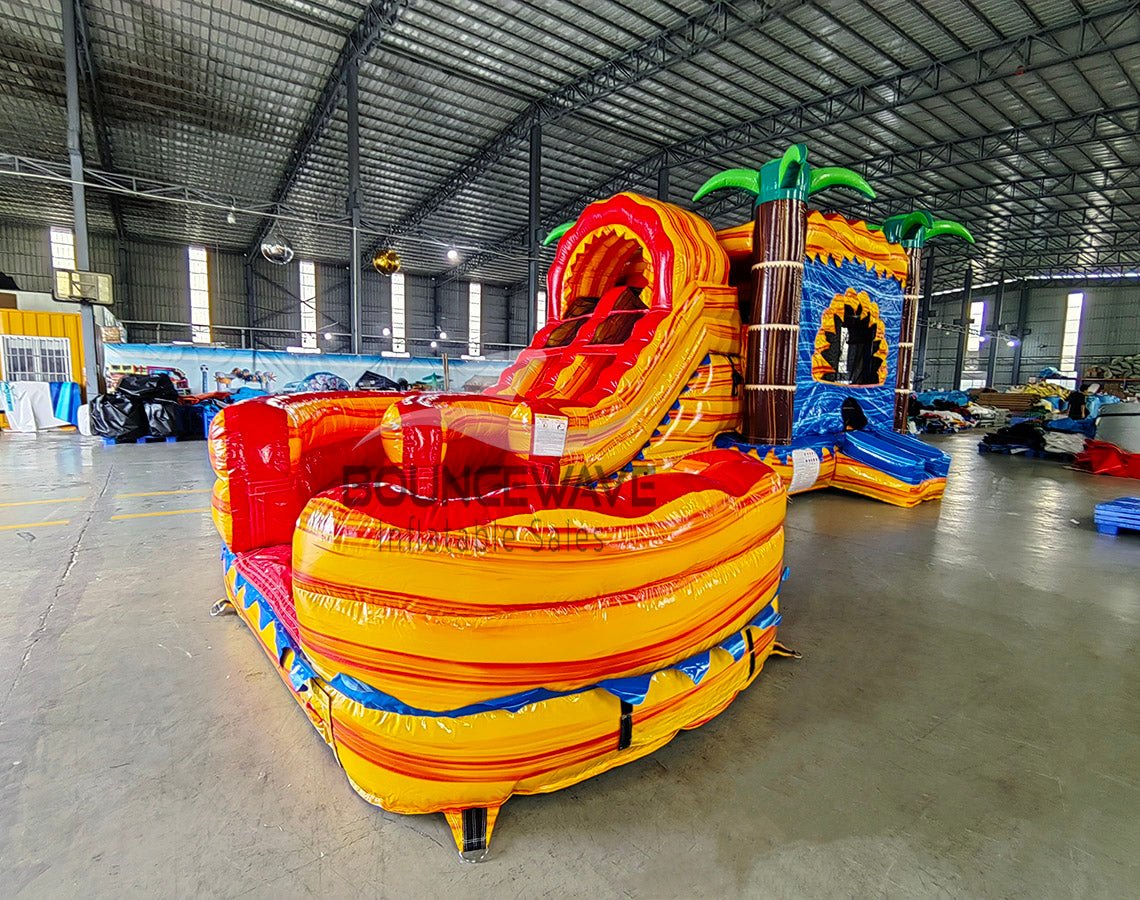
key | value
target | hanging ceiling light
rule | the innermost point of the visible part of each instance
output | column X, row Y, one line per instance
column 434, row 345
column 387, row 332
column 387, row 262
column 453, row 255
column 328, row 335
column 443, row 335
column 231, row 216
column 1011, row 343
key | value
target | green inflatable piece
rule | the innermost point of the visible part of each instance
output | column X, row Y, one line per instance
column 914, row 229
column 557, row 232
column 790, row 177
column 740, row 179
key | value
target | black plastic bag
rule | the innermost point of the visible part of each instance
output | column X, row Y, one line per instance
column 157, row 386
column 163, row 418
column 118, row 416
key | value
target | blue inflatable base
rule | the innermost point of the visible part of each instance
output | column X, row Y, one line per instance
column 899, row 455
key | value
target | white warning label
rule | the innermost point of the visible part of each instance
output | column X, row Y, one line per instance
column 805, row 469
column 549, row 435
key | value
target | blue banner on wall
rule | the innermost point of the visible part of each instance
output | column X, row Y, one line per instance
column 201, row 370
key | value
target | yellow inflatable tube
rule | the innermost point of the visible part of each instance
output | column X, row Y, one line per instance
column 477, row 600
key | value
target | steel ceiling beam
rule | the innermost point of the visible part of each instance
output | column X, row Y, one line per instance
column 1049, row 135
column 378, row 20
column 90, row 73
column 950, row 199
column 1025, row 191
column 1076, row 39
column 153, row 189
column 667, row 48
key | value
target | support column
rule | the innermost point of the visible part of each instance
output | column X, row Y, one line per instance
column 92, row 345
column 924, row 314
column 123, row 287
column 534, row 225
column 995, row 322
column 663, row 184
column 507, row 314
column 913, row 293
column 964, row 321
column 353, row 205
column 250, row 305
column 1022, row 318
column 778, row 240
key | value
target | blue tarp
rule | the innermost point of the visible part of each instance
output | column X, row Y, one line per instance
column 927, row 398
column 65, row 400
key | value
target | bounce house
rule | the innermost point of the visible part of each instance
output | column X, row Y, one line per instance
column 479, row 595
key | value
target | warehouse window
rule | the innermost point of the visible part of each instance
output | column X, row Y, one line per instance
column 474, row 317
column 199, row 295
column 540, row 317
column 35, row 358
column 1072, row 335
column 977, row 321
column 62, row 248
column 399, row 344
column 308, row 305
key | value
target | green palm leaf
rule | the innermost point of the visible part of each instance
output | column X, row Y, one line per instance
column 914, row 229
column 837, row 176
column 792, row 163
column 556, row 233
column 740, row 179
column 950, row 227
column 909, row 226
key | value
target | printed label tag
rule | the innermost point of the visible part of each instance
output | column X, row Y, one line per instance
column 805, row 469
column 549, row 435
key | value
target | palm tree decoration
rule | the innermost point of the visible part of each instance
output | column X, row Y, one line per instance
column 912, row 230
column 781, row 188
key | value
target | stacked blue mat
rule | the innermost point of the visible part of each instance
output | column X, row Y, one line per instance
column 1113, row 515
column 65, row 400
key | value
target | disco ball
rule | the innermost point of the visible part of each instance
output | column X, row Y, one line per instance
column 277, row 251
column 387, row 262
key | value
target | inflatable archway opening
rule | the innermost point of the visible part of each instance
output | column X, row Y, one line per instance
column 640, row 299
column 851, row 344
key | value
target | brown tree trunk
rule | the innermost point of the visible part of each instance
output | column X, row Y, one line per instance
column 778, row 243
column 912, row 296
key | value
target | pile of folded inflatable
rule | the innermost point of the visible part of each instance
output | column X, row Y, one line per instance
column 949, row 412
column 1103, row 458
column 1034, row 438
column 1117, row 367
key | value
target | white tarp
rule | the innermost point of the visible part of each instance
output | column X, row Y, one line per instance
column 28, row 406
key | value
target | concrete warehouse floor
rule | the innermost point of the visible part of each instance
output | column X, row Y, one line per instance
column 964, row 720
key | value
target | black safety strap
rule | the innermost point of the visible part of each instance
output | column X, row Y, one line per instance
column 474, row 829
column 751, row 652
column 625, row 729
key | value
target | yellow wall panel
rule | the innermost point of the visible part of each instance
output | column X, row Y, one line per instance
column 48, row 324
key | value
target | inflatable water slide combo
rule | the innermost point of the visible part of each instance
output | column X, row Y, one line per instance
column 479, row 595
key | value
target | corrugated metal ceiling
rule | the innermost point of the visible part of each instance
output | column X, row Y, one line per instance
column 215, row 95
